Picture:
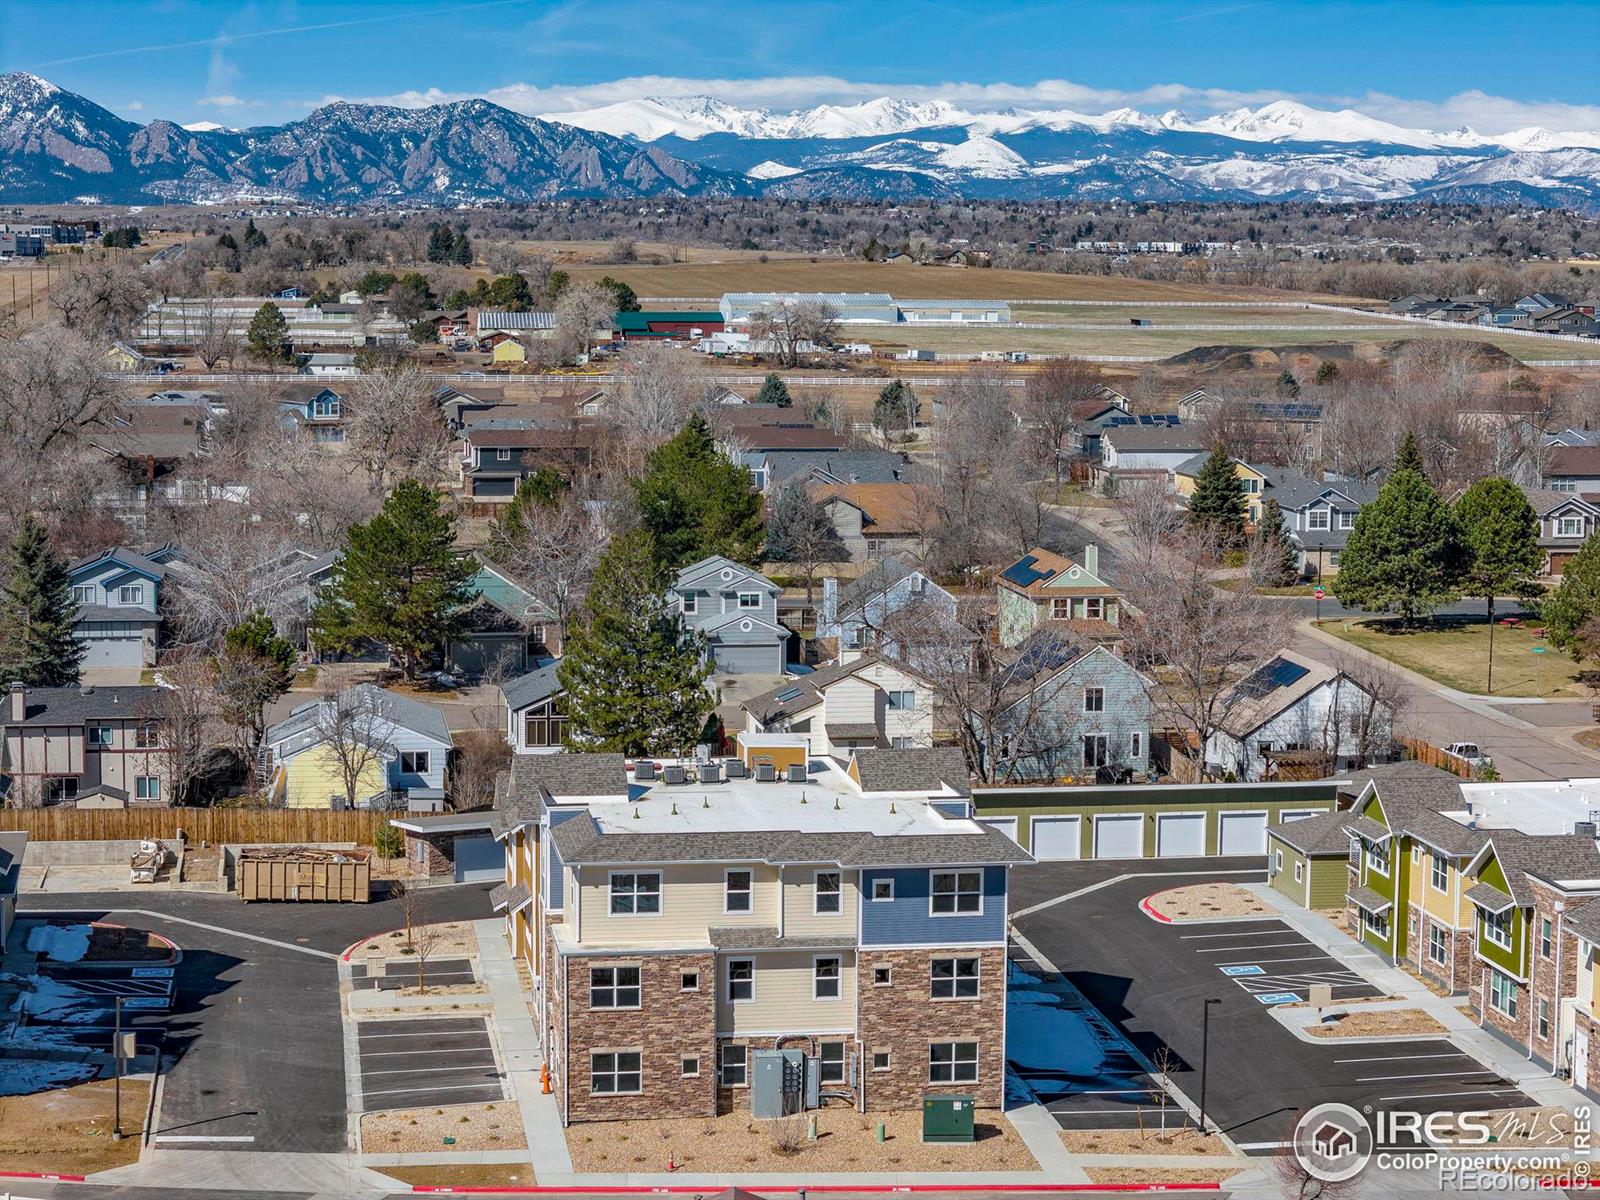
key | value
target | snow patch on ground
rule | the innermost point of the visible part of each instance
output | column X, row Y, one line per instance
column 24, row 1077
column 60, row 943
column 772, row 170
column 1043, row 1035
column 46, row 999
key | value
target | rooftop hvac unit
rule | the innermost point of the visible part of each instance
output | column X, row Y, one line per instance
column 797, row 772
column 710, row 772
column 736, row 769
column 644, row 769
column 765, row 773
column 674, row 773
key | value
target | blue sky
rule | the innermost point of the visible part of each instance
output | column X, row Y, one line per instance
column 1495, row 66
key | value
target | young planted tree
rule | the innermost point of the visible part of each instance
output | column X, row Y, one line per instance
column 1217, row 504
column 774, row 391
column 267, row 334
column 36, row 612
column 1275, row 552
column 1405, row 554
column 634, row 675
column 695, row 502
column 1501, row 532
column 400, row 580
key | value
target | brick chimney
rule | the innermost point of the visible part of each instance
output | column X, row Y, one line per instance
column 19, row 702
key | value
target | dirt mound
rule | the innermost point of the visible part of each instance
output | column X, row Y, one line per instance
column 1307, row 357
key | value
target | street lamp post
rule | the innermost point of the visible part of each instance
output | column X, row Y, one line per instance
column 1205, row 1055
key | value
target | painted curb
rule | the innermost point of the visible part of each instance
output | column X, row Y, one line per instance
column 50, row 1175
column 862, row 1189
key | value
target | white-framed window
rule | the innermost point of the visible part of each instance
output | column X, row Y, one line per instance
column 688, row 981
column 691, row 603
column 1564, row 485
column 1439, row 871
column 99, row 735
column 1277, row 860
column 882, row 976
column 616, row 1073
column 691, row 1066
column 1347, row 520
column 325, row 406
column 147, row 787
column 1544, row 1019
column 877, row 547
column 1094, row 608
column 735, row 1065
column 1416, row 854
column 1546, row 938
column 415, row 762
column 614, row 986
column 749, row 599
column 825, row 978
column 1378, row 857
column 1061, row 608
column 1502, row 994
column 636, row 893
column 1300, row 871
column 828, row 895
column 1377, row 924
column 147, row 736
column 903, row 743
column 955, row 893
column 83, row 593
column 832, row 1056
column 1497, row 928
column 1438, row 945
column 738, row 890
column 741, row 980
column 903, row 701
column 1094, row 699
column 952, row 1062
column 1316, row 518
column 1411, row 924
column 63, row 787
column 953, row 979
column 1136, row 745
column 502, row 454
column 130, row 593
column 882, row 889
column 1569, row 527
column 881, row 1060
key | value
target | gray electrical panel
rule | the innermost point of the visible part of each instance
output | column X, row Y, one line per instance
column 778, row 1083
column 813, row 1083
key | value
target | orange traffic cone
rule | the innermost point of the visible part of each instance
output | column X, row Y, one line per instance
column 672, row 1164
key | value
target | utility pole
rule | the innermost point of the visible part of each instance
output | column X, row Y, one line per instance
column 116, row 1053
column 1205, row 1054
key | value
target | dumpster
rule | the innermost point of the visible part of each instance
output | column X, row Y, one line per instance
column 304, row 873
column 947, row 1119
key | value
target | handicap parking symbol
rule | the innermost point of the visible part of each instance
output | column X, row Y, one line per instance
column 1279, row 998
column 1237, row 971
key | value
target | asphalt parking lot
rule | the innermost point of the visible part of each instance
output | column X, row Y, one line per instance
column 427, row 1060
column 1152, row 980
column 439, row 973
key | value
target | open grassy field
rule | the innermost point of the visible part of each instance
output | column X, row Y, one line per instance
column 1099, row 314
column 649, row 253
column 708, row 280
column 1456, row 654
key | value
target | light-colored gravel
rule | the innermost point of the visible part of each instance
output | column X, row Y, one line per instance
column 1131, row 1141
column 1207, row 901
column 735, row 1143
column 452, row 939
column 1388, row 1022
column 1155, row 1175
column 496, row 1125
column 463, row 1008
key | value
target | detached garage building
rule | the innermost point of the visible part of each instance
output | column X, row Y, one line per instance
column 1308, row 860
column 1149, row 820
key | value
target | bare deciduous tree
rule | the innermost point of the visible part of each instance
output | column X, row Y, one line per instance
column 788, row 325
column 357, row 733
column 212, row 334
column 1054, row 394
column 582, row 309
column 659, row 387
column 553, row 552
column 230, row 568
column 181, row 712
column 394, row 427
column 100, row 298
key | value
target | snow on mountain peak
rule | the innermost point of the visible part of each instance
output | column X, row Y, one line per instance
column 204, row 127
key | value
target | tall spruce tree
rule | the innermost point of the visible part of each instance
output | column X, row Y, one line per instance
column 36, row 611
column 1501, row 532
column 1568, row 614
column 400, row 580
column 634, row 675
column 1405, row 554
column 267, row 334
column 695, row 502
column 1217, row 504
column 774, row 391
column 1409, row 456
column 1279, row 557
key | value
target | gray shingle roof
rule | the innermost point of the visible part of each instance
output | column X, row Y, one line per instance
column 580, row 841
column 1383, row 772
column 765, row 937
column 1489, row 897
column 1368, row 828
column 1155, row 437
column 397, row 709
column 522, row 791
column 913, row 770
column 848, row 466
column 506, row 898
column 1369, row 900
column 124, row 556
column 537, row 685
column 1323, row 834
column 1585, row 923
column 800, row 694
column 75, row 705
column 1550, row 857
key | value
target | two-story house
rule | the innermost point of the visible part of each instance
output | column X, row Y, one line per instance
column 883, row 607
column 1573, row 469
column 860, row 702
column 774, row 468
column 1566, row 521
column 118, row 619
column 1043, row 588
column 505, row 630
column 497, row 455
column 93, row 747
column 1186, row 475
column 736, row 609
column 536, row 720
column 316, row 409
column 395, row 750
column 875, row 520
column 1145, row 452
column 1318, row 516
column 732, row 930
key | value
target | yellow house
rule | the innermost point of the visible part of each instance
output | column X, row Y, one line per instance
column 1187, row 472
column 508, row 350
column 124, row 357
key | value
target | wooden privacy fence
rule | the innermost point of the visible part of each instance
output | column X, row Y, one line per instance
column 1426, row 752
column 215, row 825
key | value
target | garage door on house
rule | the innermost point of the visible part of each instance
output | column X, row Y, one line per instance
column 1180, row 835
column 494, row 489
column 1006, row 825
column 1119, row 835
column 1056, row 839
column 1242, row 833
column 748, row 660
column 479, row 860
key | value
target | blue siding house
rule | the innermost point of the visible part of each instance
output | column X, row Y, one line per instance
column 867, row 612
column 737, row 610
column 118, row 620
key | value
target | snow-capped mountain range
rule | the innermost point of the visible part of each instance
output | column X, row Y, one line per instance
column 56, row 146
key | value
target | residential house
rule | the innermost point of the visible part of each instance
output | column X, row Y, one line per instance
column 1308, row 859
column 1579, row 1001
column 1318, row 515
column 329, row 365
column 1296, row 705
column 395, row 747
column 118, row 618
column 1557, row 320
column 1543, row 301
column 1187, row 474
column 861, row 702
column 1044, row 588
column 736, row 608
column 535, row 717
column 505, row 349
column 496, row 455
column 1192, row 406
column 1573, row 469
column 1069, row 712
column 124, row 357
column 506, row 630
column 772, row 469
column 1086, row 440
column 459, row 406
column 1145, row 451
column 875, row 520
column 1413, row 302
column 759, row 436
column 316, row 408
column 884, row 608
column 852, row 915
column 158, row 449
column 1566, row 521
column 449, row 324
column 92, row 747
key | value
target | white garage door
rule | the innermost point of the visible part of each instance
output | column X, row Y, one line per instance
column 1057, row 838
column 1119, row 836
column 1299, row 814
column 1006, row 825
column 113, row 652
column 1242, row 833
column 1180, row 835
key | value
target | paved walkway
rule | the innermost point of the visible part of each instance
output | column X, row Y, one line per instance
column 1499, row 1057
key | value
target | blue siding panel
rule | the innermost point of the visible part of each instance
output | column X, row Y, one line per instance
column 905, row 920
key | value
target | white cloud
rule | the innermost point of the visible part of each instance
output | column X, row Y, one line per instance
column 1485, row 113
column 227, row 101
column 133, row 106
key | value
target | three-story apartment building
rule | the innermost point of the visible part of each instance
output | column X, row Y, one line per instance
column 698, row 925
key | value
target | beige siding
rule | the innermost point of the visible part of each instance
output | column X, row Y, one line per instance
column 799, row 903
column 783, row 1002
column 852, row 701
column 691, row 903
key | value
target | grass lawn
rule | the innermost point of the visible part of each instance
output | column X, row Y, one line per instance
column 68, row 1130
column 1455, row 653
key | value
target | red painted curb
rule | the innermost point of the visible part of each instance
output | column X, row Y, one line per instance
column 1144, row 907
column 51, row 1175
column 790, row 1189
column 359, row 941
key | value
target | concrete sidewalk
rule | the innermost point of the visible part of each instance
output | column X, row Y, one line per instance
column 1504, row 1060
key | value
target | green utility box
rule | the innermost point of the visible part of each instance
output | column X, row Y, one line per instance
column 947, row 1119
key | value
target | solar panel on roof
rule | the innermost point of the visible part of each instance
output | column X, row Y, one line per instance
column 787, row 694
column 1025, row 573
column 1280, row 672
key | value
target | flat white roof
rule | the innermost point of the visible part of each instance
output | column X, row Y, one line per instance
column 1541, row 807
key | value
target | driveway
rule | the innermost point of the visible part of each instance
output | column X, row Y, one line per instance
column 1152, row 980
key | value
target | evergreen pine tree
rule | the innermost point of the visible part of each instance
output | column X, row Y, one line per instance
column 774, row 391
column 896, row 407
column 441, row 243
column 634, row 675
column 626, row 299
column 1405, row 553
column 1217, row 504
column 1279, row 558
column 695, row 502
column 1409, row 457
column 254, row 239
column 1501, row 532
column 268, row 333
column 400, row 580
column 36, row 611
column 461, row 250
column 1576, row 603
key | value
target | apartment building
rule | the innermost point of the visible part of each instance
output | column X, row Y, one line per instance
column 759, row 933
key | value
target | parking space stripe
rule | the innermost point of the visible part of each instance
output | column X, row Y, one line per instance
column 1196, row 937
column 1253, row 949
column 1420, row 1075
column 1440, row 1095
column 430, row 1072
column 1404, row 1057
column 460, row 1087
column 366, row 1054
column 1261, row 961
